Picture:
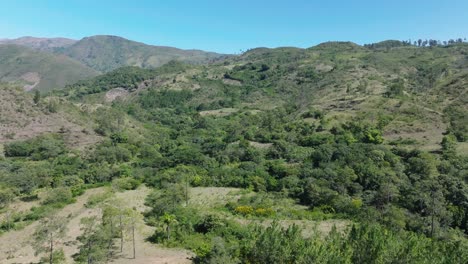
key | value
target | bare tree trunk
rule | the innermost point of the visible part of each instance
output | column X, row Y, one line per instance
column 133, row 238
column 109, row 246
column 168, row 229
column 121, row 233
column 186, row 191
column 432, row 215
column 89, row 252
column 51, row 257
column 9, row 219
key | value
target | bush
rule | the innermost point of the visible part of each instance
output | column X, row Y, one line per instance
column 244, row 210
column 61, row 195
column 95, row 199
column 208, row 223
column 126, row 183
column 43, row 147
column 264, row 211
column 18, row 149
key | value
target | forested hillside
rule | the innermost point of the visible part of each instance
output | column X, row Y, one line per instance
column 338, row 153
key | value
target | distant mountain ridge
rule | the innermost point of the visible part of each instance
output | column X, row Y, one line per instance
column 42, row 44
column 50, row 63
column 105, row 53
column 40, row 70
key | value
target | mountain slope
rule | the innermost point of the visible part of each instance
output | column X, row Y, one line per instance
column 42, row 44
column 105, row 53
column 293, row 141
column 413, row 93
column 22, row 118
column 39, row 70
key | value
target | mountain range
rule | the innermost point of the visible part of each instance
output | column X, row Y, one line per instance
column 88, row 57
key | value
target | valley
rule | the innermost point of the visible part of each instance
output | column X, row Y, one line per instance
column 337, row 153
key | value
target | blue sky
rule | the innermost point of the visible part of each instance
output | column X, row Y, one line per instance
column 231, row 26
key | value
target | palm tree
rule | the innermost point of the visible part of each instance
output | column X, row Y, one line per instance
column 168, row 219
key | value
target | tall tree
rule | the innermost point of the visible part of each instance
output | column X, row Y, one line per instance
column 37, row 97
column 6, row 198
column 47, row 235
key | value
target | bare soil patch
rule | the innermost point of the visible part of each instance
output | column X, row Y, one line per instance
column 219, row 112
column 33, row 78
column 115, row 93
column 15, row 246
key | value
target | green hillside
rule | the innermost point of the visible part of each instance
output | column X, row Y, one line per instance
column 40, row 70
column 338, row 153
column 106, row 53
column 404, row 89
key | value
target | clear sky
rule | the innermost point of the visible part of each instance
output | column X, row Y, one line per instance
column 231, row 26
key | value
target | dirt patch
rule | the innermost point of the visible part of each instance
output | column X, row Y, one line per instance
column 146, row 252
column 323, row 67
column 219, row 112
column 462, row 148
column 21, row 251
column 115, row 93
column 260, row 145
column 232, row 82
column 21, row 119
column 31, row 77
column 15, row 246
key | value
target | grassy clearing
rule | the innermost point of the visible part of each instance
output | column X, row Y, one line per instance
column 308, row 227
column 287, row 211
column 219, row 112
column 462, row 148
column 213, row 197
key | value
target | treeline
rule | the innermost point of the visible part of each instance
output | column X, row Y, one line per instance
column 416, row 43
column 128, row 78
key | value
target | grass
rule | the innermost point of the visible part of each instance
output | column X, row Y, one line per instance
column 462, row 148
column 216, row 200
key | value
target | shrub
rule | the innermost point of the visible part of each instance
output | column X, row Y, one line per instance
column 18, row 149
column 126, row 183
column 264, row 211
column 61, row 195
column 95, row 199
column 244, row 210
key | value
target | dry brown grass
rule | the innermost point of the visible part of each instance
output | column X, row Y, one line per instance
column 146, row 252
column 15, row 246
column 211, row 197
column 20, row 119
column 462, row 148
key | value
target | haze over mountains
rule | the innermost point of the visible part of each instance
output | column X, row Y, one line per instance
column 43, row 44
column 88, row 57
